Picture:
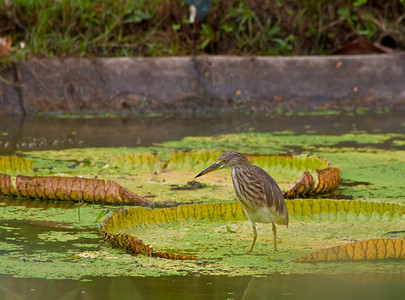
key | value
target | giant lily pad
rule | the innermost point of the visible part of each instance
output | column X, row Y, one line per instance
column 14, row 164
column 138, row 162
column 183, row 226
column 371, row 174
column 360, row 250
column 371, row 167
column 107, row 191
column 69, row 188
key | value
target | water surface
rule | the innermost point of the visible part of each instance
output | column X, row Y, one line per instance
column 41, row 133
column 34, row 133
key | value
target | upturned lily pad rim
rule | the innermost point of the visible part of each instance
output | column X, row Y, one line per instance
column 112, row 228
column 372, row 249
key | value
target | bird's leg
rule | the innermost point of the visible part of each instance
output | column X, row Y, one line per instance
column 275, row 237
column 254, row 236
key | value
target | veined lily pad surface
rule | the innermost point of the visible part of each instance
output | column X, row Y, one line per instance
column 61, row 239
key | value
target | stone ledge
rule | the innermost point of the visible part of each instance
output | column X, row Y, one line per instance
column 204, row 83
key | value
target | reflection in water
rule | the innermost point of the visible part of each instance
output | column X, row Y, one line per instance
column 33, row 133
column 24, row 236
column 276, row 286
column 347, row 286
column 36, row 203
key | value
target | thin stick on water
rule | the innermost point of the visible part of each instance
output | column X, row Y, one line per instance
column 78, row 210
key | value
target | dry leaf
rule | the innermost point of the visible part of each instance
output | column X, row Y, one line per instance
column 5, row 45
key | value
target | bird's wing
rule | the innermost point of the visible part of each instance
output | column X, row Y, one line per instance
column 274, row 196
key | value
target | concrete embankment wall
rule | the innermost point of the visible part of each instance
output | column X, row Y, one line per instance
column 205, row 83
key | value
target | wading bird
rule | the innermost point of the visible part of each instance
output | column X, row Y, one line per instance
column 259, row 194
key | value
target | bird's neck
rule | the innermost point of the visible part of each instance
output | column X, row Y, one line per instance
column 247, row 166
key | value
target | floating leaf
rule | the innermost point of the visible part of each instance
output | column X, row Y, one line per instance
column 328, row 178
column 360, row 250
column 112, row 228
column 14, row 164
column 328, row 181
column 302, row 187
column 101, row 191
column 70, row 188
column 192, row 160
column 138, row 162
column 6, row 187
column 287, row 163
column 115, row 229
column 331, row 210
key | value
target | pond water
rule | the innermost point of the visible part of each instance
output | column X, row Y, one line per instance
column 40, row 133
column 276, row 286
column 56, row 133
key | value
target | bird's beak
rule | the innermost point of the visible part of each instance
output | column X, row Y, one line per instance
column 211, row 168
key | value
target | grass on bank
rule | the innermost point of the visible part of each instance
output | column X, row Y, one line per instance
column 162, row 27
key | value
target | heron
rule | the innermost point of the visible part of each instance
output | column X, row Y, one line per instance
column 258, row 193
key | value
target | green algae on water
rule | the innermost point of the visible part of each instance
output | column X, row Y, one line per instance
column 372, row 169
column 57, row 236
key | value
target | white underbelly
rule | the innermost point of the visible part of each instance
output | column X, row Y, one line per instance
column 261, row 215
column 256, row 214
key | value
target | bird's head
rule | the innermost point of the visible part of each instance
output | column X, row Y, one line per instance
column 228, row 159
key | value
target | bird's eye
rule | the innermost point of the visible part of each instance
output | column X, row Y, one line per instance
column 224, row 160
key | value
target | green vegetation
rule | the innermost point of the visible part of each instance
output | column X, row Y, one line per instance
column 162, row 27
column 48, row 240
column 125, row 228
column 64, row 248
column 368, row 170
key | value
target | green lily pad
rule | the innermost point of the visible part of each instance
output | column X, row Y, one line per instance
column 360, row 250
column 15, row 165
column 96, row 190
column 138, row 162
column 193, row 230
column 372, row 174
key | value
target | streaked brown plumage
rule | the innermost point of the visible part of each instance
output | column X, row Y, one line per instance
column 259, row 194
